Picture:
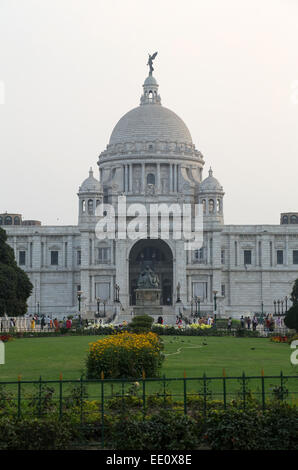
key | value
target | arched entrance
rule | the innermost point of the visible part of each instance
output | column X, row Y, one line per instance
column 158, row 255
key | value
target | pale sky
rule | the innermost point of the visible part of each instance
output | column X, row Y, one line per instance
column 69, row 69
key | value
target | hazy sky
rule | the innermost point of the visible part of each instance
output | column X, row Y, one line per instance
column 71, row 68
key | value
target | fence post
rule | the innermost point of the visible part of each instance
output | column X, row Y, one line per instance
column 224, row 388
column 263, row 389
column 144, row 393
column 205, row 393
column 60, row 396
column 164, row 389
column 19, row 396
column 81, row 400
column 281, row 385
column 39, row 397
column 102, row 411
column 244, row 390
column 184, row 393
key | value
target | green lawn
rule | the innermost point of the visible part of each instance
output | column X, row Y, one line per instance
column 48, row 357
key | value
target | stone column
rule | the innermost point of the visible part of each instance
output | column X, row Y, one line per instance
column 158, row 178
column 287, row 251
column 130, row 178
column 122, row 271
column 171, row 178
column 143, row 178
column 180, row 271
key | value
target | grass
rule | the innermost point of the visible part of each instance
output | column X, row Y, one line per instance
column 48, row 357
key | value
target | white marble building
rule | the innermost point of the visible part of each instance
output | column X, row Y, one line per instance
column 151, row 158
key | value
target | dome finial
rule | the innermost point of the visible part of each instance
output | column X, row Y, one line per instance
column 210, row 172
column 90, row 171
column 150, row 62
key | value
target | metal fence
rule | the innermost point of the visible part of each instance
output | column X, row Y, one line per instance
column 90, row 402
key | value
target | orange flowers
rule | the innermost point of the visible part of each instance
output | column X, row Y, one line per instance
column 125, row 355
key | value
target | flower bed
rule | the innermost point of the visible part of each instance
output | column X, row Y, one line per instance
column 126, row 355
column 279, row 339
column 5, row 338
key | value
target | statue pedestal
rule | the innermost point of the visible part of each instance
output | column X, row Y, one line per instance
column 148, row 296
column 148, row 302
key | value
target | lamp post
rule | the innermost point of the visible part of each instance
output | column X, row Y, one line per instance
column 191, row 308
column 104, row 308
column 196, row 304
column 98, row 304
column 262, row 308
column 38, row 307
column 117, row 289
column 214, row 298
column 286, row 301
column 178, row 292
column 274, row 303
column 278, row 306
column 79, row 295
column 199, row 306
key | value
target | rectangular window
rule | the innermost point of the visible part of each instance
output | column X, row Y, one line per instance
column 223, row 257
column 79, row 257
column 54, row 258
column 223, row 290
column 22, row 258
column 103, row 255
column 247, row 256
column 280, row 257
column 295, row 256
column 199, row 255
column 199, row 289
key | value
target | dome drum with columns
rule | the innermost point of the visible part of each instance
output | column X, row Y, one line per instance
column 150, row 150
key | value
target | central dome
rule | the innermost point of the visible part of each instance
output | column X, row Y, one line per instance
column 150, row 121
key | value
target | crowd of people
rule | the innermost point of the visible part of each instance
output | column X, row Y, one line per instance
column 268, row 322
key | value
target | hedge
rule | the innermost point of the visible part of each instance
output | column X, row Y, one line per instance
column 276, row 428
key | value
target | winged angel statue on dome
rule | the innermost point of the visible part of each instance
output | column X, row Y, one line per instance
column 150, row 62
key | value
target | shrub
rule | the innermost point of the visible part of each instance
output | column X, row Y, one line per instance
column 167, row 430
column 234, row 429
column 36, row 434
column 141, row 323
column 125, row 355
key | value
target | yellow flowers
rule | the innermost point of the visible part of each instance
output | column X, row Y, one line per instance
column 125, row 355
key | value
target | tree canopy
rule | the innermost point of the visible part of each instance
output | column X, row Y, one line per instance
column 15, row 286
column 291, row 318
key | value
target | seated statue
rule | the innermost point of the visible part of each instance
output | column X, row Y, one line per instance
column 148, row 279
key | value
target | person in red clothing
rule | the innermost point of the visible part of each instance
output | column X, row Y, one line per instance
column 68, row 323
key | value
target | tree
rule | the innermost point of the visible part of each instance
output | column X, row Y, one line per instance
column 294, row 294
column 15, row 286
column 291, row 318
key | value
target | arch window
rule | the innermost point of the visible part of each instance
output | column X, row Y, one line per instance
column 150, row 96
column 8, row 220
column 285, row 219
column 90, row 206
column 204, row 206
column 211, row 206
column 1, row 221
column 17, row 220
column 294, row 219
column 151, row 178
column 84, row 206
column 218, row 205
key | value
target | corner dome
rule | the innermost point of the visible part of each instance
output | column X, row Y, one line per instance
column 150, row 121
column 90, row 184
column 210, row 183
